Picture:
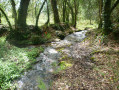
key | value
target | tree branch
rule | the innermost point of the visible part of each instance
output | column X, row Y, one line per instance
column 6, row 18
column 114, row 6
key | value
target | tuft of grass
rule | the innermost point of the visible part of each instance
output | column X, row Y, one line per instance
column 63, row 65
column 42, row 85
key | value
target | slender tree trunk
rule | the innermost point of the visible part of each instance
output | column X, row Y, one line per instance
column 100, row 13
column 76, row 4
column 6, row 18
column 37, row 18
column 90, row 21
column 14, row 12
column 55, row 11
column 36, row 10
column 64, row 10
column 67, row 15
column 22, row 16
column 72, row 13
column 0, row 18
column 107, row 20
column 48, row 13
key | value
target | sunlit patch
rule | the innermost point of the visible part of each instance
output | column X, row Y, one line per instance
column 52, row 51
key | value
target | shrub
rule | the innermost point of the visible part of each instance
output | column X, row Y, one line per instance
column 18, row 35
column 38, row 40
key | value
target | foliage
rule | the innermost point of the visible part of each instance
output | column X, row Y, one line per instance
column 8, row 72
column 14, row 60
column 40, row 39
column 28, row 37
column 18, row 35
column 3, row 30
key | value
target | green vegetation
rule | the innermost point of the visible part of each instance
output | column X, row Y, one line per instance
column 65, row 62
column 37, row 22
column 14, row 60
column 64, row 65
column 42, row 85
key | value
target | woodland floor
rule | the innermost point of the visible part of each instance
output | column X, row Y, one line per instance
column 92, row 64
column 96, row 68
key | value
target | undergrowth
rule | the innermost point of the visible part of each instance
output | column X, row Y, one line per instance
column 13, row 61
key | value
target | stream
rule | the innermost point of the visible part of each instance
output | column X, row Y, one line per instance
column 42, row 71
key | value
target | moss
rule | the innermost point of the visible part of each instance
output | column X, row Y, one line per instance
column 95, row 51
column 63, row 65
column 60, row 49
column 92, row 58
column 42, row 85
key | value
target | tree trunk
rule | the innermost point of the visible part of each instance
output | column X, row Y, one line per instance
column 0, row 18
column 6, row 18
column 37, row 18
column 22, row 16
column 72, row 13
column 100, row 13
column 67, row 15
column 76, row 4
column 48, row 13
column 107, row 21
column 64, row 10
column 14, row 12
column 55, row 11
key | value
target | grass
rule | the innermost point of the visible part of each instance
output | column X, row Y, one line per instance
column 42, row 85
column 13, row 61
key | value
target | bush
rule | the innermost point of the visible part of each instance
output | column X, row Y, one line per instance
column 18, row 35
column 38, row 40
